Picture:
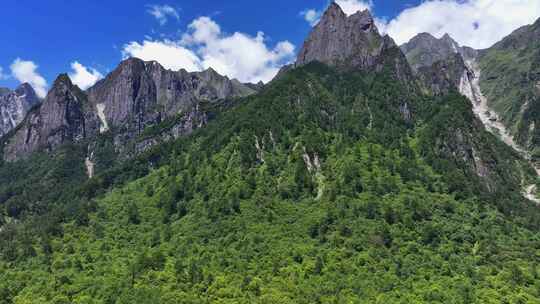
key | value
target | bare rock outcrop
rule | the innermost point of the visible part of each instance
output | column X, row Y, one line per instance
column 62, row 117
column 135, row 96
column 352, row 43
column 14, row 105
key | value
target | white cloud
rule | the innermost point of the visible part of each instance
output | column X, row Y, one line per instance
column 475, row 23
column 26, row 71
column 312, row 16
column 352, row 6
column 168, row 53
column 84, row 77
column 236, row 55
column 349, row 7
column 163, row 12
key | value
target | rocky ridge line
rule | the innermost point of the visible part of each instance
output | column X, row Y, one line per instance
column 135, row 96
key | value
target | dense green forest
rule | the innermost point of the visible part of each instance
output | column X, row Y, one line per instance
column 327, row 187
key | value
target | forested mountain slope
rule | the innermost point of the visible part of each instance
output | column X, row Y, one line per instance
column 511, row 82
column 289, row 189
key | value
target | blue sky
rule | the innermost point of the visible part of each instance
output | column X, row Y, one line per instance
column 53, row 34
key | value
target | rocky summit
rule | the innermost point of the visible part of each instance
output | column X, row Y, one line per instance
column 140, row 93
column 351, row 42
column 424, row 50
column 60, row 118
column 14, row 105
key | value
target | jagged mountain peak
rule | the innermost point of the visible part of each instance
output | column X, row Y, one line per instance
column 58, row 119
column 25, row 88
column 62, row 81
column 447, row 37
column 134, row 60
column 63, row 88
column 351, row 43
column 424, row 49
column 14, row 105
column 364, row 19
column 334, row 16
column 26, row 91
column 210, row 73
column 135, row 95
column 423, row 35
column 334, row 9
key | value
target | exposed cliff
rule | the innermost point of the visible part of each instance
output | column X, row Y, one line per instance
column 352, row 43
column 14, row 105
column 135, row 96
column 444, row 75
column 63, row 116
column 424, row 50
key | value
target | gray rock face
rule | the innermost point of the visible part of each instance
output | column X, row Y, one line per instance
column 141, row 94
column 424, row 50
column 341, row 40
column 126, row 97
column 351, row 42
column 14, row 105
column 445, row 74
column 136, row 95
column 60, row 118
column 439, row 64
column 184, row 125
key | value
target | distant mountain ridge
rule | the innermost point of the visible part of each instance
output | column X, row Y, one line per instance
column 14, row 105
column 423, row 50
column 501, row 82
column 136, row 95
column 508, row 76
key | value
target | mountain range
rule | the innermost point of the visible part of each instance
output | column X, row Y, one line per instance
column 364, row 172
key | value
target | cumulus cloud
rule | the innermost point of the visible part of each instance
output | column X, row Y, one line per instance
column 475, row 23
column 82, row 76
column 168, row 53
column 26, row 71
column 312, row 16
column 163, row 12
column 349, row 7
column 236, row 55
